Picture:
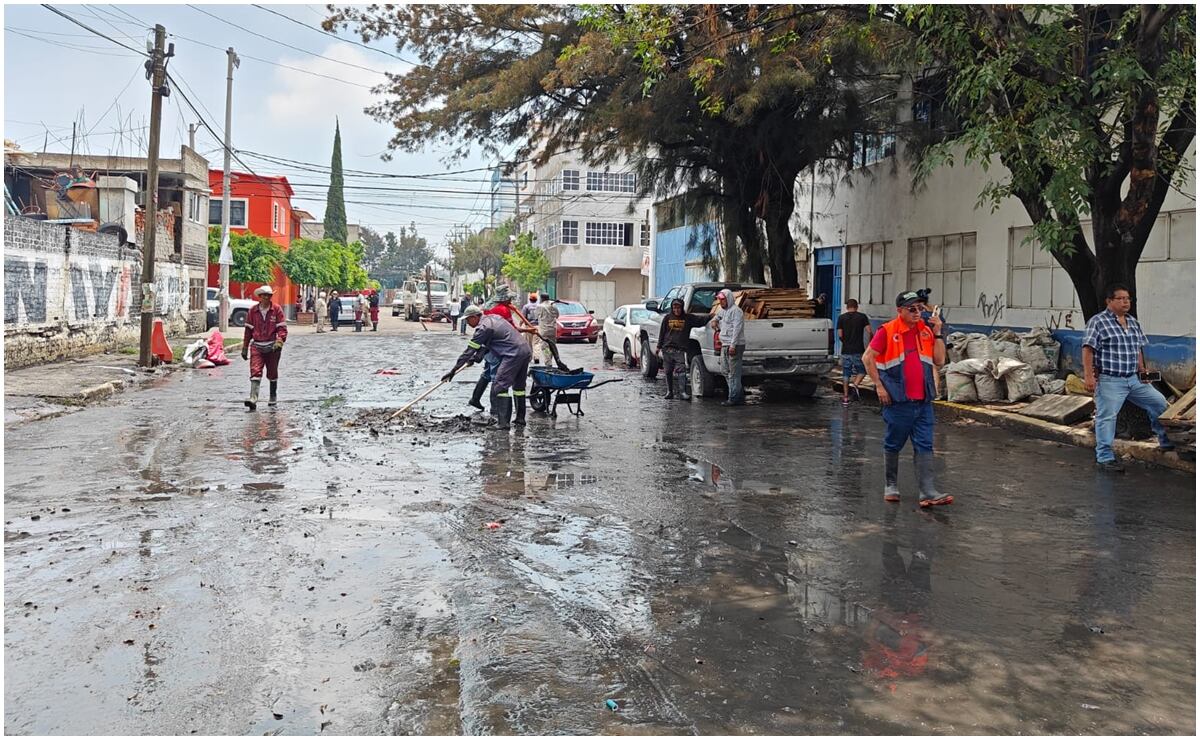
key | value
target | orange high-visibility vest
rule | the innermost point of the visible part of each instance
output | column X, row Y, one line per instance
column 891, row 361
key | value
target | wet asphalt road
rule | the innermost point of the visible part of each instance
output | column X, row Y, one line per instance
column 176, row 565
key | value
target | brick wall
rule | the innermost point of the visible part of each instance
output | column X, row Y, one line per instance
column 69, row 292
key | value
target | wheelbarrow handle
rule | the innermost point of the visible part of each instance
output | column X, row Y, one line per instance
column 603, row 382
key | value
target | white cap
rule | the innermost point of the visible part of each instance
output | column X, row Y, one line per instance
column 264, row 290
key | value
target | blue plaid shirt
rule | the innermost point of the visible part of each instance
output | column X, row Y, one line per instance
column 1115, row 347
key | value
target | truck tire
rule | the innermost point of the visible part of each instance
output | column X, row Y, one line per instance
column 395, row 312
column 607, row 353
column 700, row 378
column 804, row 388
column 649, row 361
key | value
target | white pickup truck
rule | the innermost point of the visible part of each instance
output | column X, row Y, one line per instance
column 795, row 351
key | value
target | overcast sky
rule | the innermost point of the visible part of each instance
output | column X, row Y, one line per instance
column 56, row 72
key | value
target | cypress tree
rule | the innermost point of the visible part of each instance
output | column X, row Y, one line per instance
column 335, row 202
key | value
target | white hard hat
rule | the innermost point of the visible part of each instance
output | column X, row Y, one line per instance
column 264, row 290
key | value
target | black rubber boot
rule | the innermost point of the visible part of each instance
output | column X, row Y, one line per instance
column 477, row 394
column 670, row 387
column 252, row 401
column 504, row 410
column 891, row 474
column 274, row 387
column 520, row 420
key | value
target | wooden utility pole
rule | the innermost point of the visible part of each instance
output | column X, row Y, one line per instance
column 226, row 257
column 157, row 69
column 428, row 292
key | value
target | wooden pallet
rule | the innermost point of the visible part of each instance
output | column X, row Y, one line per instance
column 1182, row 413
column 775, row 303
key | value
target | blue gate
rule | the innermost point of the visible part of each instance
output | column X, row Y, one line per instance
column 828, row 280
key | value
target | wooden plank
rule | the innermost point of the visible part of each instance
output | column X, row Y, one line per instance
column 1181, row 406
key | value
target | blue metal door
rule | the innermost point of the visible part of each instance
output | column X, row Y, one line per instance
column 829, row 281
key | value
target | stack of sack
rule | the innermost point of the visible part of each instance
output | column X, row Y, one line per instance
column 1003, row 367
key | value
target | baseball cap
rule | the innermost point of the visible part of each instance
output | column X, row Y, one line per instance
column 907, row 298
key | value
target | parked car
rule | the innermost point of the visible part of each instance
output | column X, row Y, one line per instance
column 238, row 308
column 795, row 351
column 623, row 332
column 575, row 323
column 346, row 316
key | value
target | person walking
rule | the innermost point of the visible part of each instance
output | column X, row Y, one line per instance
column 362, row 313
column 854, row 329
column 529, row 312
column 373, row 301
column 462, row 309
column 547, row 328
column 673, row 338
column 902, row 359
column 262, row 343
column 497, row 337
column 335, row 308
column 455, row 313
column 1114, row 369
column 731, row 323
column 321, row 307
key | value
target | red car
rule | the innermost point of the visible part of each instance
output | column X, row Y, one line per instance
column 575, row 323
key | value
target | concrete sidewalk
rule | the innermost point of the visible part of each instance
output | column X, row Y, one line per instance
column 1080, row 435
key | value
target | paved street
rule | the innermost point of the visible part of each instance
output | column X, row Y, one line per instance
column 177, row 565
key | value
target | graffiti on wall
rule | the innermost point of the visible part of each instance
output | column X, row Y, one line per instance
column 25, row 286
column 992, row 308
column 1060, row 320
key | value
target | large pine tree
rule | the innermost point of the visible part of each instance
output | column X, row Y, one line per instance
column 335, row 202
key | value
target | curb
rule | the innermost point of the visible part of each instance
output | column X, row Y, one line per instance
column 1146, row 452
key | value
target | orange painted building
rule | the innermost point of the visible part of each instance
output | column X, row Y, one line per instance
column 261, row 204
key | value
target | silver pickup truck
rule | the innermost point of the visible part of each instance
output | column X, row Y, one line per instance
column 795, row 351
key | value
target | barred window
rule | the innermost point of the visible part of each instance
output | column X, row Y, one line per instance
column 645, row 235
column 946, row 265
column 570, row 179
column 608, row 234
column 611, row 182
column 198, row 295
column 570, row 232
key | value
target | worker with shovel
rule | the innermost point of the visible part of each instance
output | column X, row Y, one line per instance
column 500, row 338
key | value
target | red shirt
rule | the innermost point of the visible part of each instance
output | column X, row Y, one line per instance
column 264, row 330
column 914, row 373
column 503, row 310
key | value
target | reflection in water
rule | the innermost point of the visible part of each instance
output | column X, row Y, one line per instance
column 502, row 464
column 265, row 439
column 897, row 644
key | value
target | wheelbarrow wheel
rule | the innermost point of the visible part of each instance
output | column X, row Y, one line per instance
column 539, row 399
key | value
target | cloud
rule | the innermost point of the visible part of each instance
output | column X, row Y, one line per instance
column 300, row 99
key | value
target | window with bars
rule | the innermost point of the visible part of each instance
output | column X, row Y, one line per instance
column 946, row 265
column 570, row 232
column 198, row 295
column 275, row 225
column 608, row 234
column 867, row 272
column 570, row 179
column 611, row 182
column 645, row 234
column 870, row 148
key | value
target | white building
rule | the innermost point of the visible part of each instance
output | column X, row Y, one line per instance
column 875, row 236
column 593, row 228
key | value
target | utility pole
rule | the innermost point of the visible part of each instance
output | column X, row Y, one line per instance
column 226, row 258
column 192, row 136
column 156, row 70
column 428, row 291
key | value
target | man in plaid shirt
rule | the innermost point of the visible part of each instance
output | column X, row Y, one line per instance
column 1112, row 366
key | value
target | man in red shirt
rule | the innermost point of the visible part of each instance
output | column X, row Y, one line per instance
column 503, row 309
column 902, row 361
column 266, row 331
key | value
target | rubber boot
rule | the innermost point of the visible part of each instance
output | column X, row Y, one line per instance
column 670, row 386
column 891, row 474
column 929, row 494
column 520, row 420
column 252, row 401
column 504, row 410
column 477, row 394
column 274, row 387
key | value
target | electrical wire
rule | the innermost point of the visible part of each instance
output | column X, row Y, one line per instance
column 86, row 27
column 274, row 64
column 334, row 35
column 289, row 46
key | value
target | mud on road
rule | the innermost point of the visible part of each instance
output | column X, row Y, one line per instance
column 177, row 565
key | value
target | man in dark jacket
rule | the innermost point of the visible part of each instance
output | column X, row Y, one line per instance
column 335, row 308
column 495, row 336
column 672, row 347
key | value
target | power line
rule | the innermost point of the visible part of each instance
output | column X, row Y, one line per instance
column 275, row 64
column 334, row 35
column 86, row 27
column 281, row 43
column 74, row 47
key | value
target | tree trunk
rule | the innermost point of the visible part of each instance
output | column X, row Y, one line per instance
column 751, row 244
column 781, row 247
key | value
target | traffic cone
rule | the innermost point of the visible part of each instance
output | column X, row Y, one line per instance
column 158, row 343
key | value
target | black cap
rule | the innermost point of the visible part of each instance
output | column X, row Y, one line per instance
column 908, row 297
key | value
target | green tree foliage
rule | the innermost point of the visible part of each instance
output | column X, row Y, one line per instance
column 474, row 289
column 392, row 259
column 729, row 101
column 481, row 251
column 348, row 269
column 1090, row 108
column 335, row 201
column 254, row 257
column 312, row 262
column 526, row 265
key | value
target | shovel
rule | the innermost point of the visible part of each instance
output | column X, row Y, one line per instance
column 418, row 399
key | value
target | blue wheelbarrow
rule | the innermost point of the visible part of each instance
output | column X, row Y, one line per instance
column 551, row 387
